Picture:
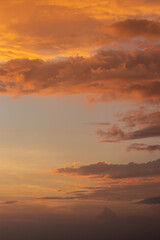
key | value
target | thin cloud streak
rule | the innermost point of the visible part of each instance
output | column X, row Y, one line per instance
column 143, row 147
column 153, row 200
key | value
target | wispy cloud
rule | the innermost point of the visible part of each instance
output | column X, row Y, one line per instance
column 9, row 202
column 137, row 125
column 143, row 147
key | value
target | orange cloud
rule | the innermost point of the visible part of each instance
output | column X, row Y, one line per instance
column 118, row 74
column 76, row 164
column 131, row 28
column 50, row 29
column 29, row 29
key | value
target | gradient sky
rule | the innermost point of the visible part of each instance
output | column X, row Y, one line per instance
column 80, row 119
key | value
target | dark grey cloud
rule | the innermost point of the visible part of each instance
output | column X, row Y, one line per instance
column 113, row 171
column 153, row 200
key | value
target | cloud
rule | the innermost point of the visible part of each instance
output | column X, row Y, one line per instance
column 143, row 147
column 58, row 198
column 9, row 202
column 140, row 117
column 113, row 171
column 118, row 134
column 102, row 123
column 118, row 74
column 76, row 164
column 131, row 28
column 140, row 124
column 114, row 191
column 50, row 29
column 153, row 200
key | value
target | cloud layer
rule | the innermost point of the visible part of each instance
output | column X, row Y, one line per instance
column 117, row 74
column 49, row 29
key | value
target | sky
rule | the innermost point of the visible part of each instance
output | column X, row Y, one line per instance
column 79, row 119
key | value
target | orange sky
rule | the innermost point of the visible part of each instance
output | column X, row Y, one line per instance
column 49, row 29
column 80, row 119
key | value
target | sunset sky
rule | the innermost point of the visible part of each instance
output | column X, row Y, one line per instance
column 80, row 119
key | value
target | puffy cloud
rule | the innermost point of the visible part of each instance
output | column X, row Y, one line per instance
column 113, row 171
column 76, row 164
column 118, row 74
column 144, row 147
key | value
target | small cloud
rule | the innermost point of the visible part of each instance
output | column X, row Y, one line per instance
column 144, row 147
column 9, row 202
column 102, row 123
column 76, row 164
column 153, row 200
